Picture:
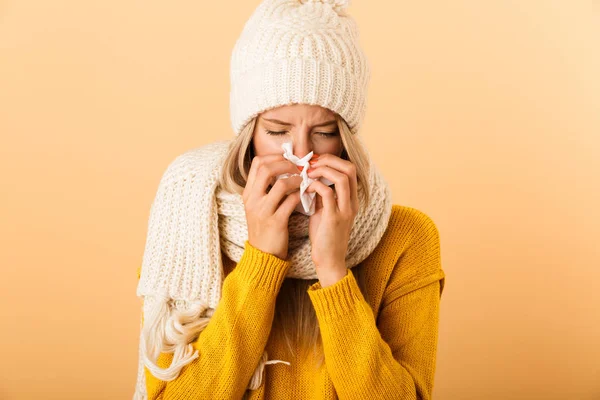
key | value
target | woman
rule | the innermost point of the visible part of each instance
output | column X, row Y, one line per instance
column 276, row 265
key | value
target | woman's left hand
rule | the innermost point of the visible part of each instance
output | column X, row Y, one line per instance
column 329, row 227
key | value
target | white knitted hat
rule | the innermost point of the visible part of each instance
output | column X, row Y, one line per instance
column 299, row 51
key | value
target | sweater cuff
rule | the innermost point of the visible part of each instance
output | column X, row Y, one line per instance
column 336, row 300
column 264, row 270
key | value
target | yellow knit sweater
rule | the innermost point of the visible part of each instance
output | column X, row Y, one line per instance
column 377, row 346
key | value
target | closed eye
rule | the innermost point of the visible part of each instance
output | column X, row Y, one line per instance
column 325, row 134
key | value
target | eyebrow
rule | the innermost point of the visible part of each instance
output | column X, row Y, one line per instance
column 288, row 124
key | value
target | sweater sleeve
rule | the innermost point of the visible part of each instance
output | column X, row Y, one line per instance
column 393, row 356
column 232, row 343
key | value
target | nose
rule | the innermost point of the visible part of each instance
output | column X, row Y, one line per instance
column 302, row 145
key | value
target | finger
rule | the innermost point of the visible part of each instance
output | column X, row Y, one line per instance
column 345, row 166
column 341, row 182
column 257, row 161
column 280, row 189
column 267, row 175
column 288, row 205
column 329, row 202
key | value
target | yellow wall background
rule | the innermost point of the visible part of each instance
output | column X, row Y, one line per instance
column 483, row 114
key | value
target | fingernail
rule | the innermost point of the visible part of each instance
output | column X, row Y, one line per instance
column 314, row 157
column 300, row 168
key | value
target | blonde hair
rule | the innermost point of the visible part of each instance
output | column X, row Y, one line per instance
column 293, row 300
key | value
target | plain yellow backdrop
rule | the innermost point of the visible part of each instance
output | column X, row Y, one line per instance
column 483, row 114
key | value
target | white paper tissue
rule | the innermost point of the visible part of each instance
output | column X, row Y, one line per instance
column 307, row 200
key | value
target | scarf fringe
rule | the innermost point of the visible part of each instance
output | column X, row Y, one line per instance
column 169, row 330
column 162, row 332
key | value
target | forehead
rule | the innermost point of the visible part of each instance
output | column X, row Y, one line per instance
column 299, row 114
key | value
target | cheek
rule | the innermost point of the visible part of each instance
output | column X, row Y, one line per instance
column 328, row 146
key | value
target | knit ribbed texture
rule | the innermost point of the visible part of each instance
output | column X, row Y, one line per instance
column 380, row 346
column 294, row 51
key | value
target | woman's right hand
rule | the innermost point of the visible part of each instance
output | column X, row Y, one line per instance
column 266, row 214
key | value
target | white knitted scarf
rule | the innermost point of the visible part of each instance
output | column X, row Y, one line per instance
column 191, row 222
